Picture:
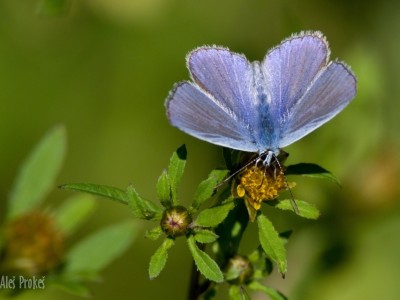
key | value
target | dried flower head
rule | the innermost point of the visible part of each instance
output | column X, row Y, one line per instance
column 33, row 244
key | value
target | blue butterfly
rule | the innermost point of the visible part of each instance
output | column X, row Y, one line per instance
column 261, row 106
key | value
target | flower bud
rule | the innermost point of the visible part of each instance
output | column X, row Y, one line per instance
column 175, row 221
column 239, row 270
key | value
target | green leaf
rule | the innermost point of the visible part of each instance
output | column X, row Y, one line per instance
column 271, row 242
column 256, row 255
column 207, row 187
column 231, row 230
column 159, row 259
column 109, row 192
column 37, row 174
column 70, row 285
column 175, row 170
column 164, row 190
column 238, row 293
column 73, row 212
column 84, row 276
column 211, row 217
column 142, row 208
column 262, row 265
column 205, row 264
column 204, row 236
column 232, row 274
column 101, row 248
column 231, row 157
column 270, row 292
column 154, row 233
column 306, row 209
column 311, row 170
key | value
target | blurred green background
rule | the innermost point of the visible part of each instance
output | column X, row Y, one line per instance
column 103, row 68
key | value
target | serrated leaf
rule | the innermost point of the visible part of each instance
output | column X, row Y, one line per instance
column 311, row 170
column 205, row 236
column 73, row 212
column 211, row 217
column 271, row 242
column 175, row 170
column 37, row 174
column 159, row 258
column 99, row 249
column 109, row 192
column 238, row 293
column 306, row 209
column 207, row 187
column 142, row 208
column 154, row 233
column 205, row 264
column 164, row 190
column 270, row 292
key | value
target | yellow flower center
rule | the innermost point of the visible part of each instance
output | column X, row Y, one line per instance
column 258, row 183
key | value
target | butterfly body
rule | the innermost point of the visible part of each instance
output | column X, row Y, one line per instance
column 261, row 106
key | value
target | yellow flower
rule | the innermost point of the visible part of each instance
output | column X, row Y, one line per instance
column 258, row 183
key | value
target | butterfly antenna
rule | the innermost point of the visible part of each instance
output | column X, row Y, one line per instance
column 294, row 205
column 237, row 172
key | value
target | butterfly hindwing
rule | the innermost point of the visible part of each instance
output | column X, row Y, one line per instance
column 328, row 94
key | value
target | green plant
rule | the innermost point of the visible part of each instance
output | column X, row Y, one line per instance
column 214, row 223
column 34, row 248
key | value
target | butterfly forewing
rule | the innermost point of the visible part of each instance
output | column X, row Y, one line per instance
column 289, row 69
column 229, row 78
column 197, row 113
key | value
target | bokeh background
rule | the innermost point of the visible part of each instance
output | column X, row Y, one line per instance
column 103, row 68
